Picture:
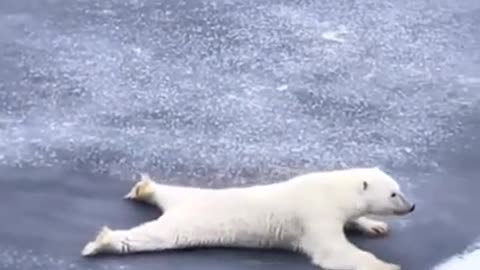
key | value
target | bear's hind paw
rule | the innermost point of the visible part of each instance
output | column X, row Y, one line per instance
column 142, row 190
column 103, row 235
column 101, row 241
column 90, row 249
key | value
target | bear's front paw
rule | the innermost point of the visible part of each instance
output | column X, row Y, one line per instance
column 392, row 266
column 372, row 227
column 142, row 190
column 381, row 266
column 377, row 228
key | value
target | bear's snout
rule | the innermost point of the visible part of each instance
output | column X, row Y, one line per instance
column 405, row 211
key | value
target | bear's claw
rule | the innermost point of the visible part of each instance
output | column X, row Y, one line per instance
column 377, row 228
column 371, row 226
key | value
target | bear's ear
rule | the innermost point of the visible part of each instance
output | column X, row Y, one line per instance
column 365, row 185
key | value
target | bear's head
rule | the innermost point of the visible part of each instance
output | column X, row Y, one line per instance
column 382, row 195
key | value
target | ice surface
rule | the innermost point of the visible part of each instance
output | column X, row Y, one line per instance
column 468, row 260
column 233, row 92
column 28, row 259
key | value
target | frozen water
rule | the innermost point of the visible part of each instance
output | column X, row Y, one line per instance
column 27, row 259
column 234, row 90
column 468, row 260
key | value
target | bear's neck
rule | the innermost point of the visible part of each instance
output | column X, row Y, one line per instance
column 352, row 207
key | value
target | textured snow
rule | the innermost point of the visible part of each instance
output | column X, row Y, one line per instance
column 237, row 91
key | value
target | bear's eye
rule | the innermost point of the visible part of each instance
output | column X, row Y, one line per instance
column 393, row 194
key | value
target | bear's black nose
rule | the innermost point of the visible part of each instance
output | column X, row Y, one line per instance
column 412, row 208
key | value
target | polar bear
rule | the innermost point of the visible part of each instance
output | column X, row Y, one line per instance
column 307, row 213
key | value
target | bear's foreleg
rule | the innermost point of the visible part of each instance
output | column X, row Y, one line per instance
column 330, row 249
column 164, row 196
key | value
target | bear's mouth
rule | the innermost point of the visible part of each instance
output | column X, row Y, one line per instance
column 404, row 212
column 400, row 213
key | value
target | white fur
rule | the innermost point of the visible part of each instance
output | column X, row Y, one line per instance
column 306, row 213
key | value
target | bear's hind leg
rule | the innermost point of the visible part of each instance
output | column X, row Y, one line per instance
column 173, row 230
column 161, row 195
column 149, row 236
